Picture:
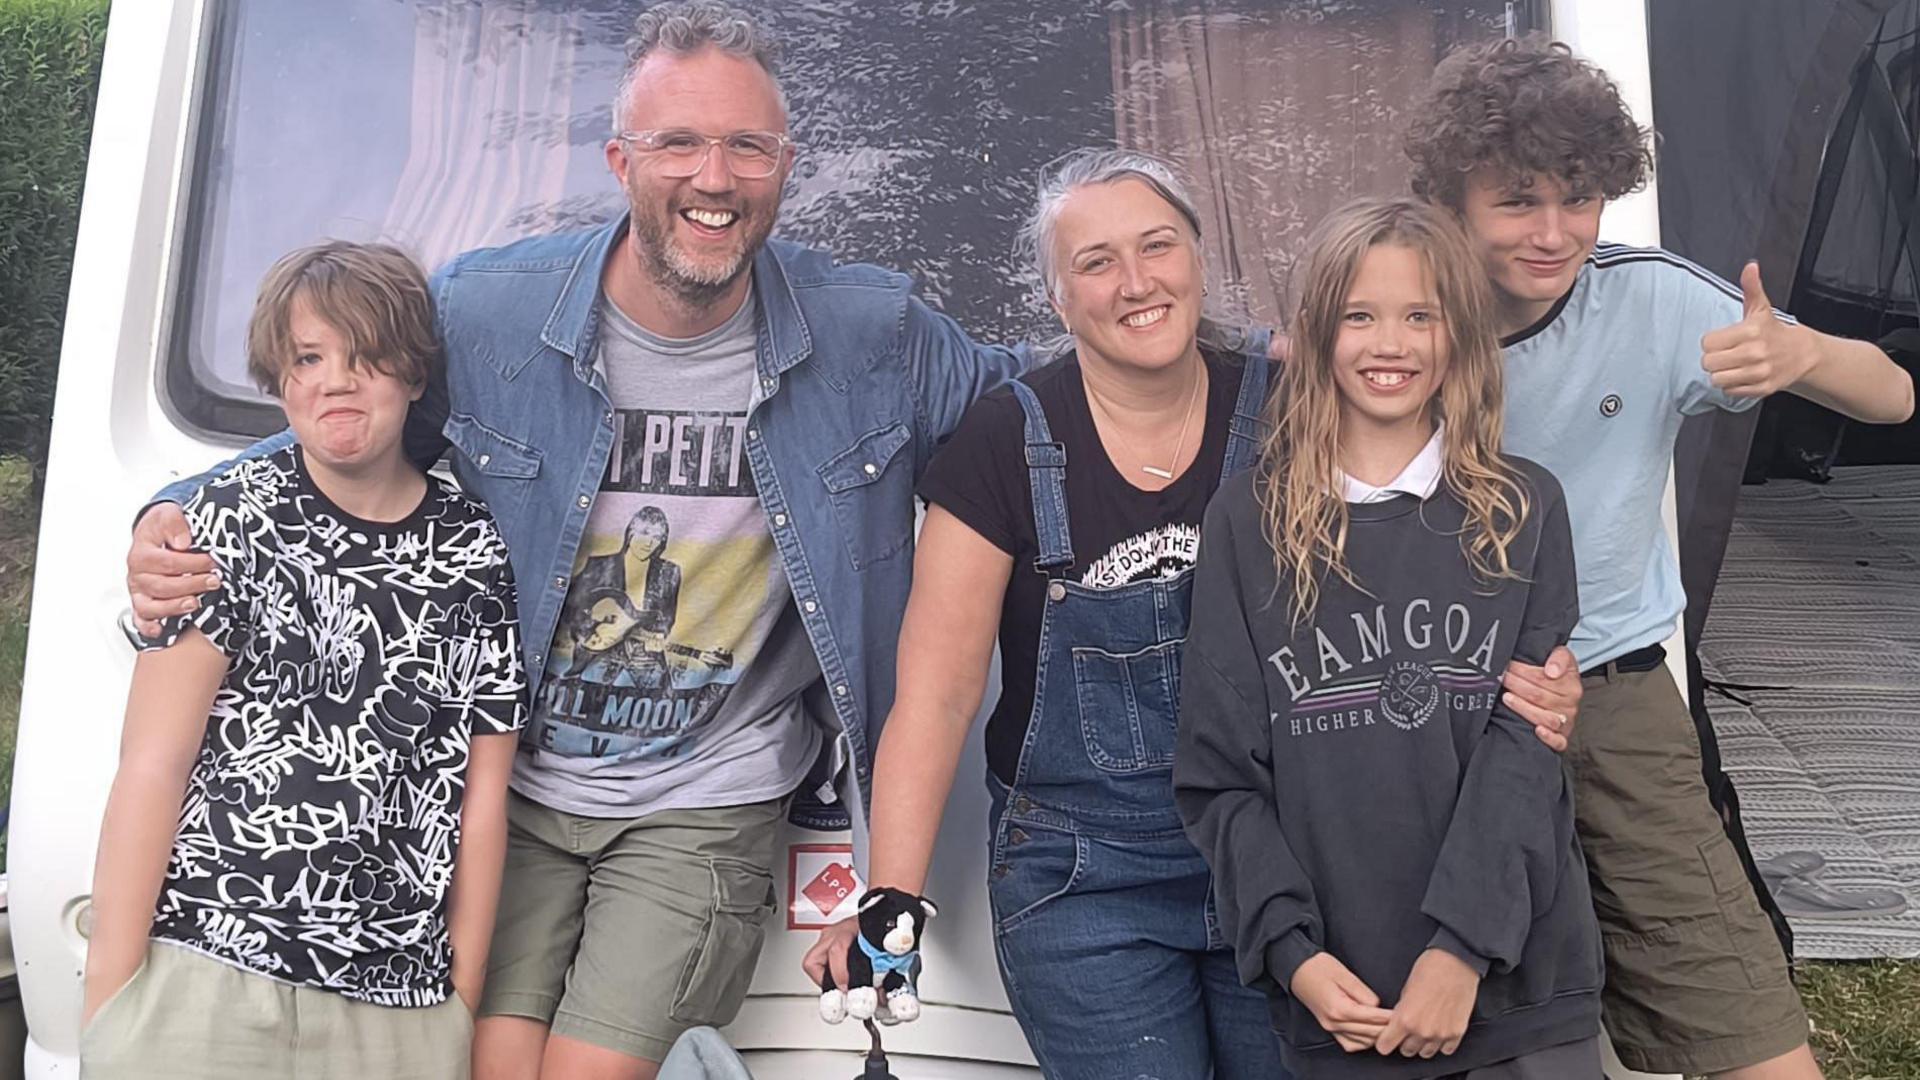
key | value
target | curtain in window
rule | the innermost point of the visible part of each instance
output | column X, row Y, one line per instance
column 492, row 97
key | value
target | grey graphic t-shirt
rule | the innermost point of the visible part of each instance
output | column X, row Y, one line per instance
column 675, row 674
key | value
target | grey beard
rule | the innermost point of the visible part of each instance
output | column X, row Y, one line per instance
column 695, row 287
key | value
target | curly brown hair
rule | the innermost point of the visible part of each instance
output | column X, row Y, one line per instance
column 1525, row 106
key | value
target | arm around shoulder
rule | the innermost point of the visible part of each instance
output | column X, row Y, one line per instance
column 166, row 571
column 949, row 370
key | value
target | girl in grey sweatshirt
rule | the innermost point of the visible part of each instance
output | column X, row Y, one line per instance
column 1392, row 847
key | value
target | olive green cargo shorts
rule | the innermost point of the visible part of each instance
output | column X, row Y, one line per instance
column 1696, row 979
column 625, row 932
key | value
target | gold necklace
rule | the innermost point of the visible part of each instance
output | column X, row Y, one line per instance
column 1179, row 444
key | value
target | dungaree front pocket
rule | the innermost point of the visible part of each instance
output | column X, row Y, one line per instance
column 1127, row 704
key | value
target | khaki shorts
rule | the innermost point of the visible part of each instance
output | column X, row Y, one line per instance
column 625, row 932
column 184, row 1016
column 1696, row 979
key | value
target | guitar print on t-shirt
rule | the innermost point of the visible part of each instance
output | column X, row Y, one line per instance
column 668, row 600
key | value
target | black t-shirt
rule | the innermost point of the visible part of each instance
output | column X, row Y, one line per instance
column 1120, row 533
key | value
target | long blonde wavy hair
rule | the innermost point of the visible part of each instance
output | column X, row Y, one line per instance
column 1303, row 508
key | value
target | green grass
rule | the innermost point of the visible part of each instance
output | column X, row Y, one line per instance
column 1866, row 1018
column 19, row 531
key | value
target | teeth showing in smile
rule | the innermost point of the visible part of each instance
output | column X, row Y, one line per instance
column 712, row 219
column 1386, row 379
column 1145, row 318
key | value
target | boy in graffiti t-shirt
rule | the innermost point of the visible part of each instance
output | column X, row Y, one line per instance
column 302, row 850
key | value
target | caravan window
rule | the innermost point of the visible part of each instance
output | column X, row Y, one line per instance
column 448, row 124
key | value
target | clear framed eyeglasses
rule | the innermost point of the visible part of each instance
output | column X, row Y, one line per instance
column 678, row 152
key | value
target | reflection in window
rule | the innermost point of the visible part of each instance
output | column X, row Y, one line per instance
column 448, row 124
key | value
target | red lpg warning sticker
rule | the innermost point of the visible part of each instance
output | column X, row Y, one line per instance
column 823, row 885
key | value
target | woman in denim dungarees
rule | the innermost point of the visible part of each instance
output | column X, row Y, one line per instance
column 1104, row 923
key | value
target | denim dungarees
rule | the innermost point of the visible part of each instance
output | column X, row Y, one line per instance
column 1104, row 921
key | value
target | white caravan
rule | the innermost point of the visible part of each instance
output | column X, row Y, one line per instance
column 229, row 131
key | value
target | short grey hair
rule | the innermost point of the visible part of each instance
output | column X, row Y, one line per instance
column 687, row 26
column 1106, row 165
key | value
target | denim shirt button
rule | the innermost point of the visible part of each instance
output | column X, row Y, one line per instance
column 871, row 470
column 539, row 659
column 586, row 501
column 559, row 583
column 1017, row 837
column 811, row 607
column 1056, row 591
column 753, row 433
column 484, row 458
column 779, row 520
column 841, row 690
column 1001, row 870
column 1022, row 804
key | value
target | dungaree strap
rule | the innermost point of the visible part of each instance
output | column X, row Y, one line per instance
column 1047, row 475
column 1246, row 431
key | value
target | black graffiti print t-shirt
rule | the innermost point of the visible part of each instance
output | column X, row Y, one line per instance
column 1121, row 534
column 317, row 836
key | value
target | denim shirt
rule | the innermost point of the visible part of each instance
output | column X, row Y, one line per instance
column 858, row 382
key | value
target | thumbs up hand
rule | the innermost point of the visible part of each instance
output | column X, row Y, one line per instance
column 1759, row 354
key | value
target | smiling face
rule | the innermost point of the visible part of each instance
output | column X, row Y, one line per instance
column 1128, row 276
column 346, row 414
column 696, row 235
column 1532, row 234
column 1391, row 350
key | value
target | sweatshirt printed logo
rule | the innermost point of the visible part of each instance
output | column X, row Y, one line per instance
column 1400, row 667
column 1409, row 694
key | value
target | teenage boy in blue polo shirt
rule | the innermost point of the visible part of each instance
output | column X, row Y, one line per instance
column 1608, row 348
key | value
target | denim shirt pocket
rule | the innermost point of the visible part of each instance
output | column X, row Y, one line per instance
column 490, row 453
column 492, row 467
column 871, row 486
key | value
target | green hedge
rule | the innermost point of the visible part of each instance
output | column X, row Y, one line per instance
column 49, row 72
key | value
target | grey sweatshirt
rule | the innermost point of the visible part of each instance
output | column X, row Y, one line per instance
column 1358, row 787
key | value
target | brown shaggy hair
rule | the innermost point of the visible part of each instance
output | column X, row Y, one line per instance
column 1525, row 106
column 374, row 294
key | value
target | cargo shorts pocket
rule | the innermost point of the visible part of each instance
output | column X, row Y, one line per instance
column 720, row 967
column 1749, row 932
